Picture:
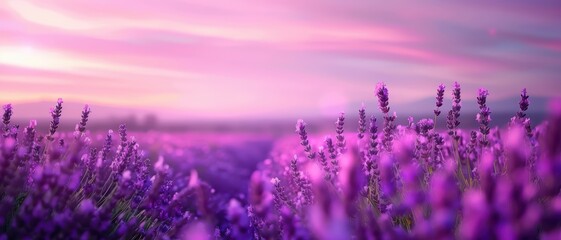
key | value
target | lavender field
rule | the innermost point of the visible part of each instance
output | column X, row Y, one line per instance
column 288, row 120
column 378, row 181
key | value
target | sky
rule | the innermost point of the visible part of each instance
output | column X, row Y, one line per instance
column 264, row 59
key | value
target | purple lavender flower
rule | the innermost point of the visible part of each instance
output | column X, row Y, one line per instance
column 371, row 169
column 452, row 121
column 439, row 99
column 456, row 98
column 437, row 150
column 524, row 103
column 389, row 126
column 423, row 143
column 383, row 97
column 339, row 130
column 81, row 126
column 324, row 163
column 123, row 134
column 361, row 122
column 389, row 129
column 30, row 134
column 300, row 182
column 6, row 118
column 333, row 153
column 424, row 126
column 484, row 118
column 56, row 112
column 280, row 195
column 484, row 115
column 373, row 130
column 521, row 117
column 482, row 97
column 301, row 130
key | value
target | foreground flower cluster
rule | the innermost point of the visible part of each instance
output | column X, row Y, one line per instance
column 429, row 179
column 414, row 181
column 61, row 186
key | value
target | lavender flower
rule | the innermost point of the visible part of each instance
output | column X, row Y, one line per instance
column 332, row 155
column 423, row 151
column 300, row 182
column 123, row 135
column 521, row 117
column 524, row 104
column 30, row 134
column 484, row 115
column 371, row 169
column 339, row 130
column 301, row 130
column 81, row 126
column 456, row 98
column 437, row 150
column 373, row 130
column 6, row 118
column 389, row 129
column 439, row 99
column 482, row 97
column 452, row 121
column 324, row 163
column 361, row 122
column 383, row 97
column 484, row 118
column 56, row 112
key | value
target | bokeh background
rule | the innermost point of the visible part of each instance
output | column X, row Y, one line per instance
column 246, row 65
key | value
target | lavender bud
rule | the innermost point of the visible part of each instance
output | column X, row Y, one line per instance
column 324, row 163
column 81, row 127
column 123, row 134
column 361, row 122
column 482, row 97
column 339, row 130
column 333, row 155
column 389, row 129
column 521, row 116
column 484, row 118
column 452, row 120
column 439, row 99
column 373, row 130
column 301, row 131
column 383, row 97
column 56, row 112
column 524, row 103
column 6, row 118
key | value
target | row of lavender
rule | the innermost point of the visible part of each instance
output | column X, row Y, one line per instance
column 414, row 182
column 65, row 186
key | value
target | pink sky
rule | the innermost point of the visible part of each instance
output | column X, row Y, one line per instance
column 245, row 59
